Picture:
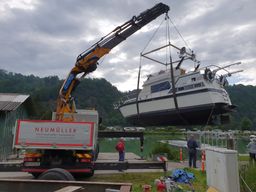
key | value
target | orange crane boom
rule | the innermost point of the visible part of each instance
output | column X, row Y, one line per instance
column 87, row 61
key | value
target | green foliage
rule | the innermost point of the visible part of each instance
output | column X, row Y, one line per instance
column 164, row 148
column 91, row 93
column 246, row 124
column 245, row 99
column 101, row 95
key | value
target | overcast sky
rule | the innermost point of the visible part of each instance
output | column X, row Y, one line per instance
column 44, row 37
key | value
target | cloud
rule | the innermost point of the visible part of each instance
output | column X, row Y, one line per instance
column 44, row 37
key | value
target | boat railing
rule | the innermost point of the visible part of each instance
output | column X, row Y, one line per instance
column 128, row 98
column 221, row 78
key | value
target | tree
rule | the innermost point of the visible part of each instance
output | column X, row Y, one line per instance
column 246, row 124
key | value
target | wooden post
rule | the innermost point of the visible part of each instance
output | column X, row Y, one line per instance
column 146, row 188
column 203, row 161
column 181, row 160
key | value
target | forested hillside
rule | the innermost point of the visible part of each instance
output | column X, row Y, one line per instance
column 245, row 99
column 92, row 93
column 100, row 94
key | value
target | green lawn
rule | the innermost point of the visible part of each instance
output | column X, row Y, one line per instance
column 140, row 179
column 151, row 138
column 243, row 158
column 248, row 172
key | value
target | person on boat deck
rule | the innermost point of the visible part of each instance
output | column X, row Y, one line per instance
column 120, row 147
column 192, row 145
column 252, row 149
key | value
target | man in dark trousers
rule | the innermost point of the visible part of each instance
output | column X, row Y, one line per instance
column 192, row 145
column 120, row 147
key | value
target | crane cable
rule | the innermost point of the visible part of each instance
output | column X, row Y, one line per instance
column 171, row 66
column 140, row 66
column 168, row 37
column 180, row 34
column 185, row 42
column 137, row 94
column 147, row 44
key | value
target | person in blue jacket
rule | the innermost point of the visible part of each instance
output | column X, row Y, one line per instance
column 252, row 150
column 192, row 145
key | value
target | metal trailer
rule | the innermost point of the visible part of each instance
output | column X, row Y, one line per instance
column 17, row 167
column 21, row 185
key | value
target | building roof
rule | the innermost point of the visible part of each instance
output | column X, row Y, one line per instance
column 11, row 101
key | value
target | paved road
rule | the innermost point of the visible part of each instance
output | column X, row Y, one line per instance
column 105, row 157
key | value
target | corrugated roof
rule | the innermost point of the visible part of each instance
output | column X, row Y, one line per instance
column 11, row 101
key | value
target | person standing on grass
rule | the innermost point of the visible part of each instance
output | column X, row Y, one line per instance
column 252, row 150
column 120, row 147
column 192, row 145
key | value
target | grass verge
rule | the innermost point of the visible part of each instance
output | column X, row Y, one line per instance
column 140, row 179
column 248, row 172
column 243, row 158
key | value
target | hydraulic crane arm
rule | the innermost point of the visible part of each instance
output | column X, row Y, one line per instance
column 87, row 61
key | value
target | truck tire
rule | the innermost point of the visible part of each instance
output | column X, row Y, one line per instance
column 90, row 174
column 83, row 175
column 56, row 174
column 35, row 175
column 97, row 152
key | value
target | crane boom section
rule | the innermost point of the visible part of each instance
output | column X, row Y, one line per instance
column 87, row 61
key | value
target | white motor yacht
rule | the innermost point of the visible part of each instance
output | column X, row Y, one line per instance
column 174, row 96
column 194, row 98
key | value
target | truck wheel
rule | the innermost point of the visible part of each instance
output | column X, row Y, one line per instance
column 90, row 174
column 97, row 152
column 56, row 174
column 35, row 175
column 83, row 175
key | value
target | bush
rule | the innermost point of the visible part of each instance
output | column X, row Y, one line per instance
column 160, row 148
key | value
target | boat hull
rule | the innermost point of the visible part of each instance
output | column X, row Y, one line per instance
column 198, row 107
column 196, row 115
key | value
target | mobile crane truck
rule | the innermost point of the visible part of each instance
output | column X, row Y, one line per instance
column 67, row 144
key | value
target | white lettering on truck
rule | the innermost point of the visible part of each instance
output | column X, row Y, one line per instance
column 54, row 130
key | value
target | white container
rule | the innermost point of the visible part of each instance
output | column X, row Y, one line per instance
column 222, row 169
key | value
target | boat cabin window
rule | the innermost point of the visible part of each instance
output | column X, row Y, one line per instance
column 199, row 85
column 188, row 87
column 193, row 79
column 180, row 88
column 160, row 87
